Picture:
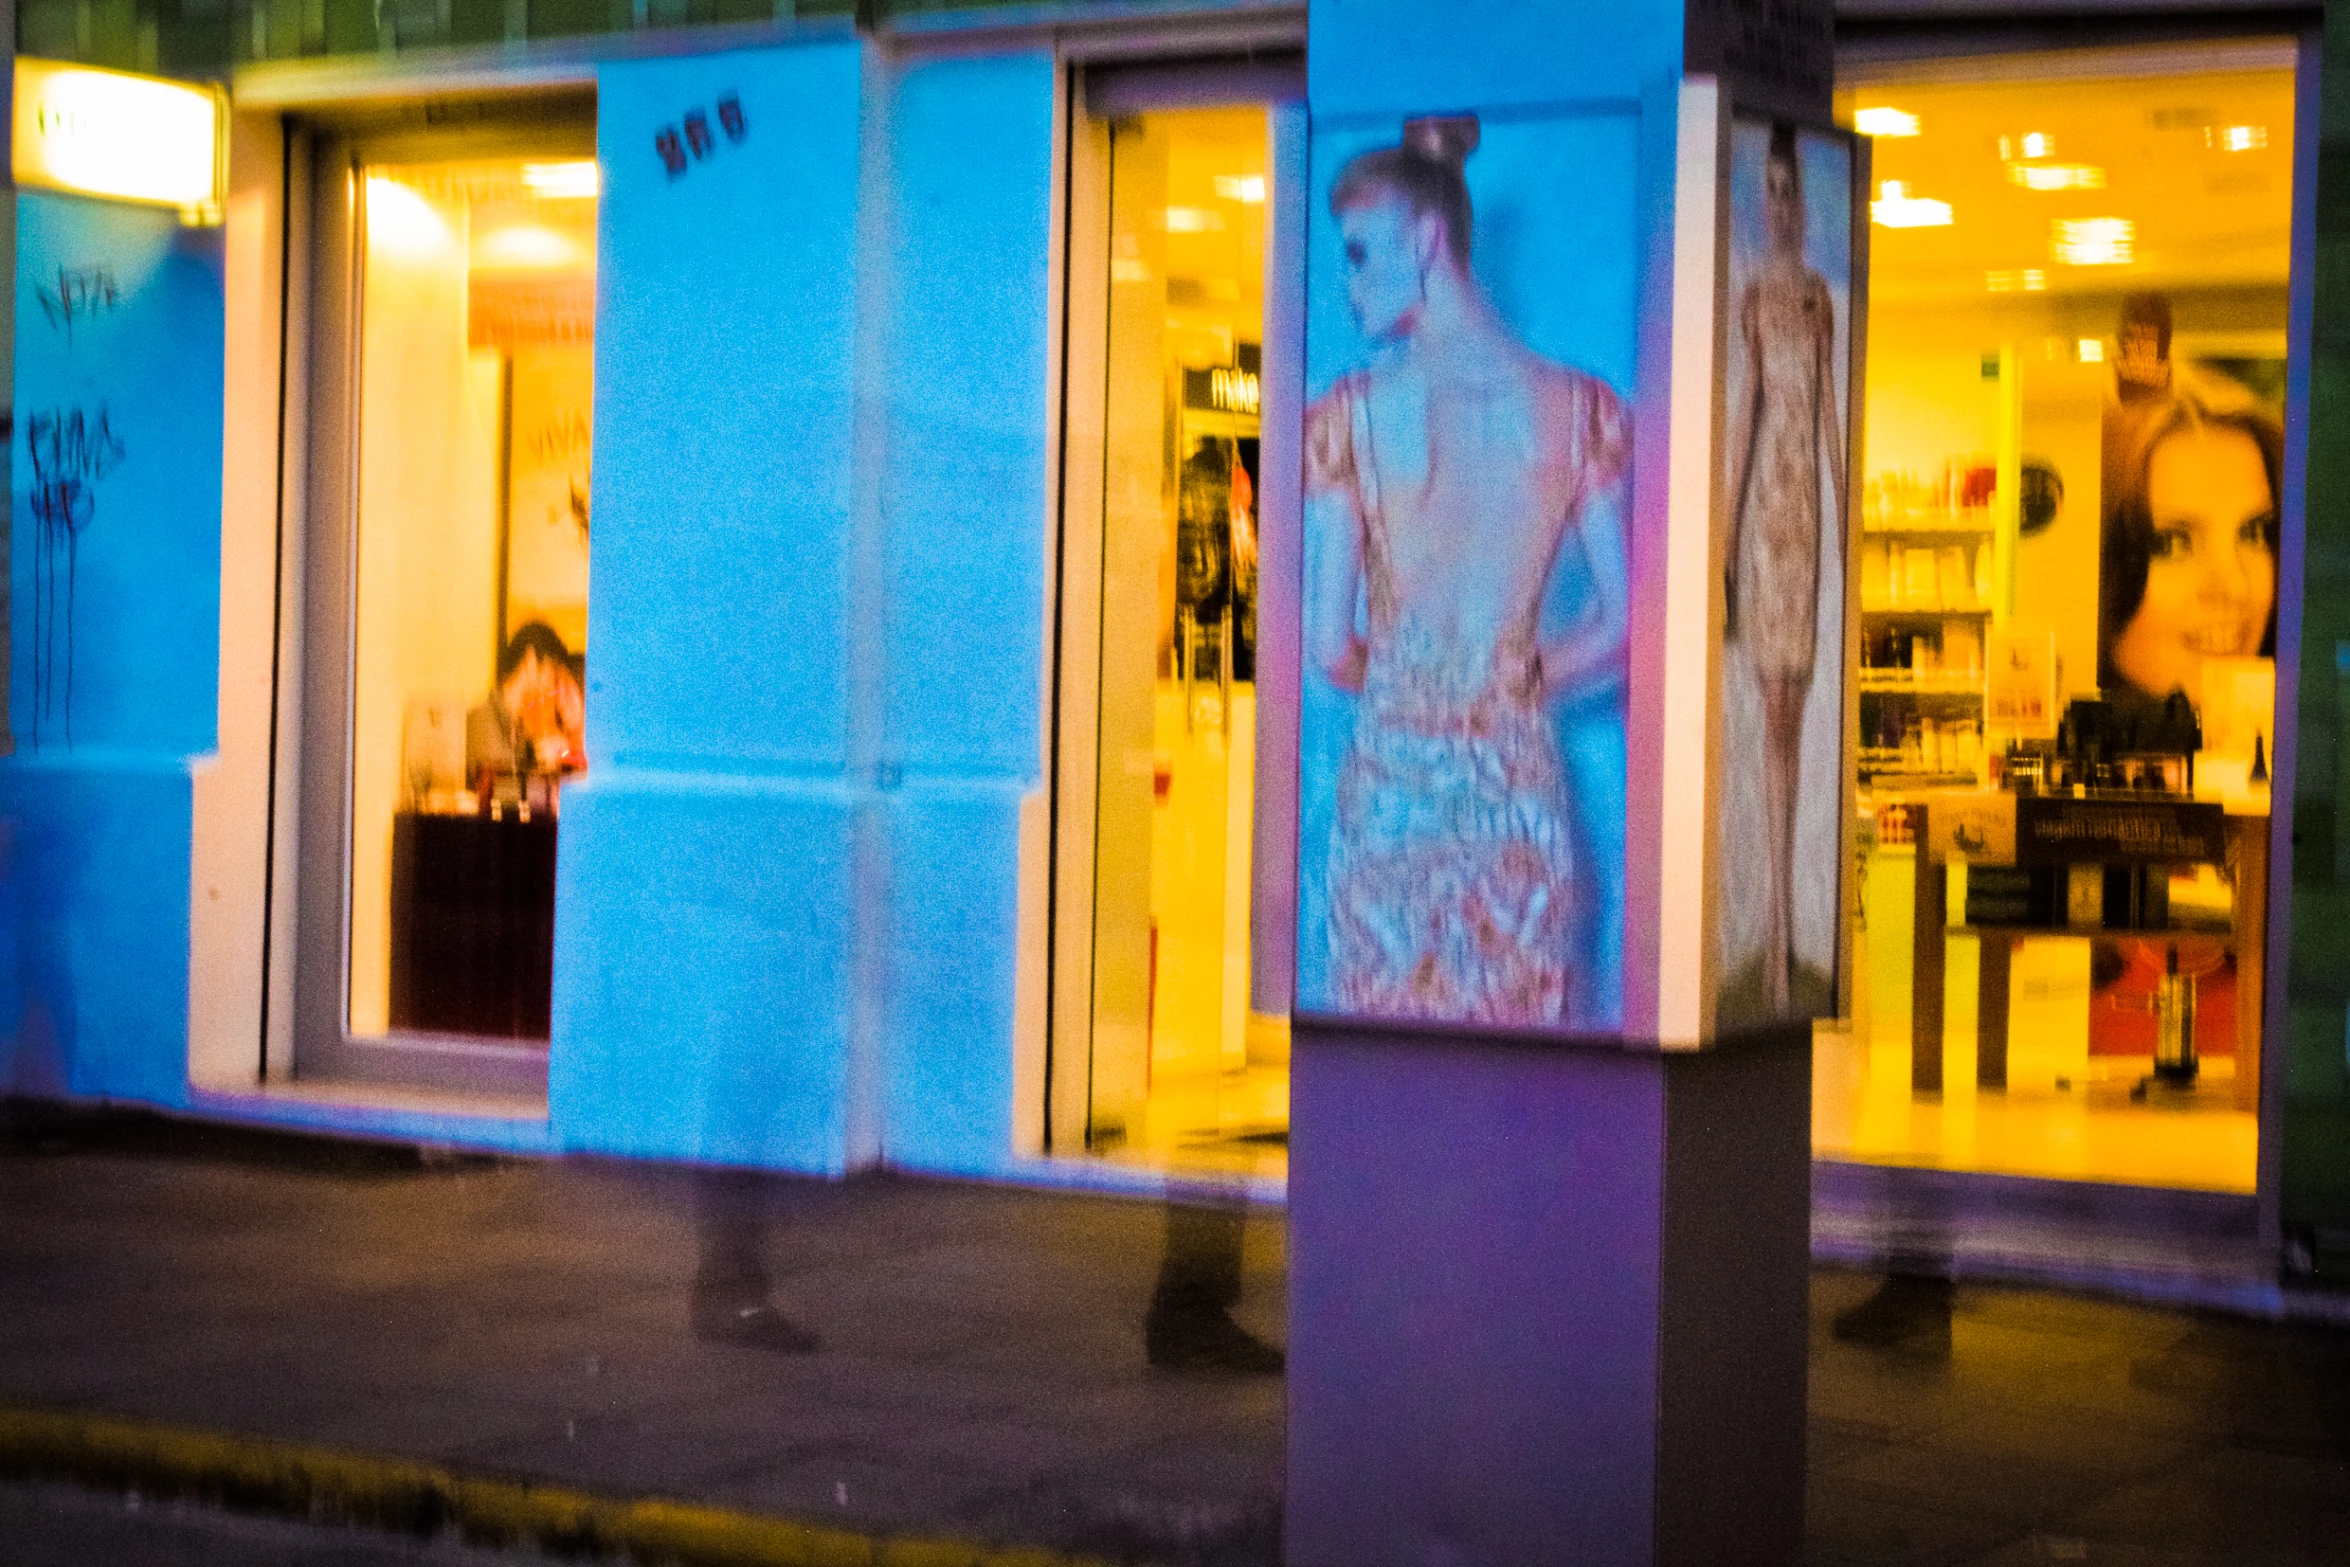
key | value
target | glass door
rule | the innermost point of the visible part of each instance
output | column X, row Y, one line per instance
column 1179, row 1068
column 448, row 574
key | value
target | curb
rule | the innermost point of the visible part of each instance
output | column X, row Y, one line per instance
column 406, row 1496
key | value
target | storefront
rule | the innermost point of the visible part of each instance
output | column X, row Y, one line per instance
column 753, row 608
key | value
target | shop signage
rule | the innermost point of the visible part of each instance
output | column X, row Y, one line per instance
column 1969, row 825
column 1224, row 389
column 2023, row 683
column 2051, row 829
column 124, row 137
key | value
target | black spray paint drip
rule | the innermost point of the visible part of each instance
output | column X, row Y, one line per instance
column 72, row 449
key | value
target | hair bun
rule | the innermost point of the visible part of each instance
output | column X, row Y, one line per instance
column 1447, row 139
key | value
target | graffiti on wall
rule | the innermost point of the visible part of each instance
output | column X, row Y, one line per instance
column 72, row 450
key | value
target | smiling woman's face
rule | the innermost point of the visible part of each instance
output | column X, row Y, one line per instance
column 2211, row 572
column 1383, row 267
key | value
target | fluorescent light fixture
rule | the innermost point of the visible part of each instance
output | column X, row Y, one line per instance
column 2236, row 138
column 2056, row 176
column 2090, row 350
column 1248, row 189
column 1896, row 208
column 113, row 134
column 401, row 221
column 2039, row 145
column 2096, row 242
column 1193, row 220
column 2020, row 280
column 578, row 178
column 1883, row 121
column 527, row 246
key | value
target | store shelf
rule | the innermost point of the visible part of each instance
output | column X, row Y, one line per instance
column 1944, row 527
column 1880, row 681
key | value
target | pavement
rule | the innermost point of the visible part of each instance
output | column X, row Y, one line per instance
column 979, row 1383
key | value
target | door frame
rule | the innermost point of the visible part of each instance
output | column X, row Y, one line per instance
column 320, row 560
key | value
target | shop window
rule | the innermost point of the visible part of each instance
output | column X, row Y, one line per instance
column 2067, row 568
column 476, row 300
column 1176, row 1067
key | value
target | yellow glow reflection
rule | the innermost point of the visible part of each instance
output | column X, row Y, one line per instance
column 108, row 133
column 1896, row 208
column 2096, row 242
column 1883, row 121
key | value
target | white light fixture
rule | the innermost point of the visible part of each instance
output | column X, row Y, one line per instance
column 559, row 181
column 1896, row 208
column 1193, row 220
column 2235, row 138
column 401, row 221
column 113, row 134
column 1884, row 121
column 2096, row 242
column 2090, row 350
column 1248, row 189
column 526, row 247
column 2026, row 280
column 2056, row 176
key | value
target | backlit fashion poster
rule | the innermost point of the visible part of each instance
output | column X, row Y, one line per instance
column 1470, row 339
column 1786, row 484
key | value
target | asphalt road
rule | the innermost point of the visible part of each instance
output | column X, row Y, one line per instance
column 57, row 1526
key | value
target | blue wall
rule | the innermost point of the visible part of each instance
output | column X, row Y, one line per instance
column 114, row 641
column 786, row 918
column 966, row 192
column 704, row 900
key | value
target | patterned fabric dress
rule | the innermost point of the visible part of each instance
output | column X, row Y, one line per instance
column 1451, row 882
column 1783, row 316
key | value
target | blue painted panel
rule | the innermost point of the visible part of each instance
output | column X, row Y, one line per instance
column 94, row 885
column 954, row 947
column 1406, row 56
column 964, row 488
column 725, row 334
column 702, row 947
column 115, row 563
column 115, row 640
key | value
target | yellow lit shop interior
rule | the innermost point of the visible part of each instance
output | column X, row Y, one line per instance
column 1181, row 1072
column 2067, row 585
column 477, row 304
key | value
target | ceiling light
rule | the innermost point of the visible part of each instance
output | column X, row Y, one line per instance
column 2039, row 145
column 526, row 245
column 1247, row 188
column 1885, row 122
column 2235, row 138
column 2090, row 350
column 2028, row 280
column 2056, row 176
column 399, row 219
column 559, row 180
column 1896, row 208
column 2096, row 242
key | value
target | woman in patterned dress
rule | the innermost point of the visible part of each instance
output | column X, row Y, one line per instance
column 1443, row 483
column 1783, row 430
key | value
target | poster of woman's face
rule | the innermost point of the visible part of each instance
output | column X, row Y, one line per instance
column 2187, row 565
column 1470, row 340
column 1781, row 758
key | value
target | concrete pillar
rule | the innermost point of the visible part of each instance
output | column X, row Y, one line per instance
column 1550, row 1180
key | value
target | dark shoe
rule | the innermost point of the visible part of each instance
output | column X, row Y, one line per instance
column 757, row 1325
column 1908, row 1313
column 1208, row 1342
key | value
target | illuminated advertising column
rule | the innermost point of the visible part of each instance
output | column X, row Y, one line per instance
column 1572, row 779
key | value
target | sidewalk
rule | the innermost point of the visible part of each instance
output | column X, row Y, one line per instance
column 981, row 1375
